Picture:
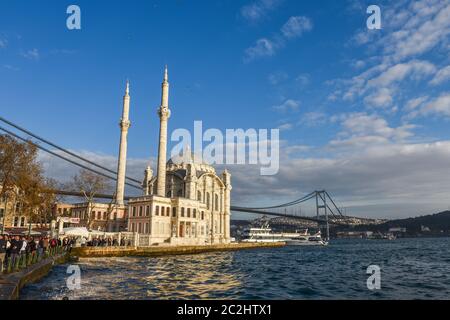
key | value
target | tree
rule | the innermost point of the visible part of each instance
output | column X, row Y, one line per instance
column 90, row 185
column 21, row 176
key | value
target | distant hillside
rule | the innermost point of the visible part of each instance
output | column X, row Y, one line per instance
column 438, row 223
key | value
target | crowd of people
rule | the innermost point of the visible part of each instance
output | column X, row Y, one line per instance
column 13, row 248
column 106, row 242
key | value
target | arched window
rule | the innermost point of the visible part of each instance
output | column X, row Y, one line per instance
column 199, row 195
column 216, row 202
column 208, row 200
column 162, row 211
column 157, row 211
column 174, row 212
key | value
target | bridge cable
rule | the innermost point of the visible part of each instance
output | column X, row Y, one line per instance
column 66, row 159
column 62, row 149
column 300, row 200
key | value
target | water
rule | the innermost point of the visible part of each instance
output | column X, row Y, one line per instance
column 410, row 269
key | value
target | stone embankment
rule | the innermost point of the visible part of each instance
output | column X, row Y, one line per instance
column 11, row 284
column 163, row 250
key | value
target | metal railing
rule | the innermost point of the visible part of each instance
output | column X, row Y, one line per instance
column 24, row 260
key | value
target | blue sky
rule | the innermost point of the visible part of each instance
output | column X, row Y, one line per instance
column 362, row 113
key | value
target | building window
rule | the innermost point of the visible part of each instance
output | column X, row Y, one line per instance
column 182, row 212
column 188, row 212
column 203, row 215
column 180, row 193
column 157, row 211
column 146, row 228
column 208, row 200
column 140, row 211
column 162, row 211
column 93, row 215
column 199, row 195
column 169, row 194
column 147, row 212
column 1, row 212
column 104, row 216
column 174, row 212
column 134, row 211
column 99, row 215
column 216, row 202
column 16, row 221
column 195, row 213
column 140, row 228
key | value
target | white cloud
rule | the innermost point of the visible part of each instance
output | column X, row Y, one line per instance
column 259, row 9
column 442, row 76
column 412, row 104
column 303, row 79
column 380, row 99
column 361, row 130
column 312, row 119
column 398, row 72
column 277, row 77
column 288, row 105
column 32, row 54
column 439, row 106
column 285, row 126
column 262, row 48
column 296, row 26
column 3, row 43
column 427, row 26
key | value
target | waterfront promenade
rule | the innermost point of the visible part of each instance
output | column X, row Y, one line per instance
column 162, row 250
column 10, row 284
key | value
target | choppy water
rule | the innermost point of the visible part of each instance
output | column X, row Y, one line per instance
column 410, row 269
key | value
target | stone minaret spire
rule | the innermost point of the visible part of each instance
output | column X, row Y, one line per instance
column 124, row 126
column 164, row 115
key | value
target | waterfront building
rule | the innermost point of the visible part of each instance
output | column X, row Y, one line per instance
column 11, row 214
column 186, row 202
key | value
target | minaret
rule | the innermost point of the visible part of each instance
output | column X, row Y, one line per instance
column 121, row 167
column 164, row 115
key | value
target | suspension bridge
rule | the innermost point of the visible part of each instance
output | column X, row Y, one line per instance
column 326, row 210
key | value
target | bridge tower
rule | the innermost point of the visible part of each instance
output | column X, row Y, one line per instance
column 321, row 204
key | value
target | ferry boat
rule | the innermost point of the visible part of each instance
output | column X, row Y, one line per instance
column 265, row 234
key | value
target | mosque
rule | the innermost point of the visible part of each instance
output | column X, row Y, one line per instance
column 186, row 203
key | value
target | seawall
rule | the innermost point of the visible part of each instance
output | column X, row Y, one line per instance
column 11, row 284
column 90, row 252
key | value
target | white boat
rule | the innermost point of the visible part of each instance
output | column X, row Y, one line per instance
column 265, row 234
column 309, row 240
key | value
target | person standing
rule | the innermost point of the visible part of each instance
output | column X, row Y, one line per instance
column 16, row 245
column 2, row 252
